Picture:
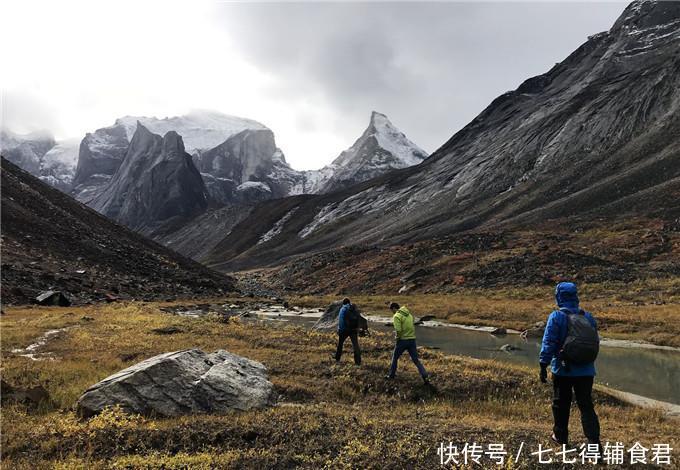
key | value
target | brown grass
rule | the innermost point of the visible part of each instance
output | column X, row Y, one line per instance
column 330, row 416
column 635, row 311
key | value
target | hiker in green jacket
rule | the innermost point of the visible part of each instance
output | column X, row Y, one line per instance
column 406, row 340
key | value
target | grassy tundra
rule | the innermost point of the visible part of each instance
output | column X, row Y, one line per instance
column 644, row 310
column 332, row 416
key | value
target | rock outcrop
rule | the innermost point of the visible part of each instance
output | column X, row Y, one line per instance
column 329, row 320
column 25, row 151
column 183, row 382
column 156, row 184
column 101, row 154
column 249, row 157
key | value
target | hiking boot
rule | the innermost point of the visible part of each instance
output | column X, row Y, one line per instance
column 426, row 380
column 554, row 438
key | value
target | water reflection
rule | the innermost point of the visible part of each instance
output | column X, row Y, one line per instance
column 647, row 372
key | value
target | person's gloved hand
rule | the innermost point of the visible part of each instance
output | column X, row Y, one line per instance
column 544, row 373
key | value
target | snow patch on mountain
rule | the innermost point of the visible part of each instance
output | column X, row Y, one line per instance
column 200, row 130
column 39, row 154
column 380, row 149
column 394, row 141
column 64, row 153
column 58, row 165
column 254, row 185
column 278, row 227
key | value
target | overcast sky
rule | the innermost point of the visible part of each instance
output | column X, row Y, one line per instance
column 312, row 72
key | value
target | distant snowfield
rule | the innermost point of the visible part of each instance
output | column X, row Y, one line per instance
column 64, row 153
column 200, row 130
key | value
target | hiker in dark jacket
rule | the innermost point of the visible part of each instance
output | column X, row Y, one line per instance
column 568, row 375
column 405, row 333
column 348, row 327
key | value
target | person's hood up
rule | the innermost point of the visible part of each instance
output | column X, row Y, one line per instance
column 566, row 295
column 404, row 311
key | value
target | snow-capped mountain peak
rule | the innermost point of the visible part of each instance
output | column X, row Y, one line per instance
column 393, row 140
column 381, row 148
column 201, row 130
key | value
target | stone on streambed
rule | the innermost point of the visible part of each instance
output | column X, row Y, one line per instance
column 183, row 382
column 329, row 320
column 425, row 318
column 536, row 331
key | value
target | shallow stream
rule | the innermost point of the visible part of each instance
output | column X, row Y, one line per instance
column 653, row 373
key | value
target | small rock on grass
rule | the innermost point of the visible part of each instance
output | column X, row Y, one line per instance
column 167, row 330
column 32, row 396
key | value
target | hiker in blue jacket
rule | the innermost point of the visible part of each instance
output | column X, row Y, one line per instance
column 566, row 332
column 348, row 328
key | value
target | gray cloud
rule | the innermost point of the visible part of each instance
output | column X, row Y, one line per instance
column 430, row 66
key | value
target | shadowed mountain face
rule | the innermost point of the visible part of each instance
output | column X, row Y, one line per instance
column 50, row 241
column 102, row 152
column 251, row 156
column 156, row 183
column 598, row 131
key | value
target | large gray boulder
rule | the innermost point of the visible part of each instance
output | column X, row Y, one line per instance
column 329, row 320
column 183, row 382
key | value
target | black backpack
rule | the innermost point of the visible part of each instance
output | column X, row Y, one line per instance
column 582, row 343
column 352, row 318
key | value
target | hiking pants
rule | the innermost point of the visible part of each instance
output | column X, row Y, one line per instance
column 582, row 387
column 410, row 346
column 342, row 336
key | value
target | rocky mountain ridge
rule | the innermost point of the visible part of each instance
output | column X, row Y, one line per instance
column 238, row 158
column 596, row 136
column 52, row 242
column 238, row 162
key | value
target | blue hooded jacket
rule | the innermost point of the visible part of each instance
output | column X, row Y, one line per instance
column 341, row 317
column 555, row 333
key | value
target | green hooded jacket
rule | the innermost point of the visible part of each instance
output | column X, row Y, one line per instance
column 403, row 324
